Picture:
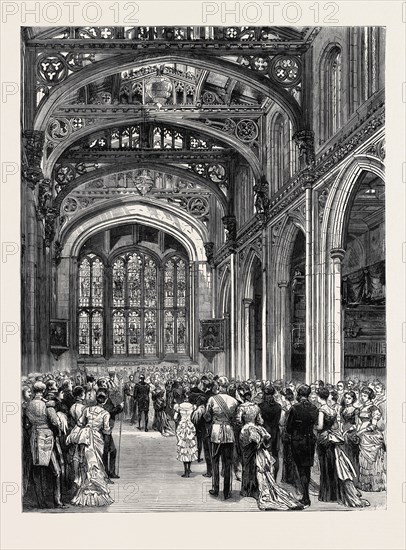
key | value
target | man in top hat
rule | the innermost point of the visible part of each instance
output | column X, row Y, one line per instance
column 141, row 401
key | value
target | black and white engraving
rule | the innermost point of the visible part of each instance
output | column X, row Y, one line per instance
column 203, row 269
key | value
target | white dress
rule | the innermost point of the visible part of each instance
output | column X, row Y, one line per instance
column 186, row 433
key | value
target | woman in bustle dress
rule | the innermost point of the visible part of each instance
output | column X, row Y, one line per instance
column 337, row 474
column 372, row 447
column 258, row 464
column 91, row 479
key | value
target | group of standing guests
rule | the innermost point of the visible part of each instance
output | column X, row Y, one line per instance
column 338, row 431
column 260, row 431
column 68, row 446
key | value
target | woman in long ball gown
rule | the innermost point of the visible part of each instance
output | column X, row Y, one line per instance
column 91, row 479
column 349, row 415
column 186, row 435
column 372, row 447
column 258, row 464
column 161, row 422
column 336, row 471
column 367, row 397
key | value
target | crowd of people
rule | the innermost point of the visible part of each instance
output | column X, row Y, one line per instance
column 279, row 438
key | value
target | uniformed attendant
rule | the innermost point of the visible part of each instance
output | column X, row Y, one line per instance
column 44, row 424
column 220, row 410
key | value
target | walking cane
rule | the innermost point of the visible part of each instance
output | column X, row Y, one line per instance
column 119, row 441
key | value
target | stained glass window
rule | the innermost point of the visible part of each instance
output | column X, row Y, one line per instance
column 181, row 331
column 84, row 283
column 134, row 279
column 134, row 332
column 91, row 305
column 169, row 331
column 169, row 283
column 135, row 293
column 150, row 332
column 175, row 289
column 97, row 333
column 119, row 333
column 84, row 333
column 147, row 305
column 181, row 283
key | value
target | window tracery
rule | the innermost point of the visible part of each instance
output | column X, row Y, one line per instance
column 145, row 299
column 91, row 305
column 331, row 93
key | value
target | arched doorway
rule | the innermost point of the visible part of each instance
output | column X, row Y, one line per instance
column 363, row 282
column 298, row 309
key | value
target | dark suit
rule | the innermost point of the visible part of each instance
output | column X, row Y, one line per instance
column 198, row 397
column 110, row 451
column 141, row 402
column 206, row 438
column 300, row 424
column 271, row 413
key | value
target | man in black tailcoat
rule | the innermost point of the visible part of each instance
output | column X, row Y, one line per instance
column 198, row 397
column 141, row 401
column 208, row 392
column 271, row 413
column 110, row 450
column 300, row 427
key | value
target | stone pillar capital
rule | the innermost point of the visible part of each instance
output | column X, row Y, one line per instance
column 337, row 254
column 282, row 284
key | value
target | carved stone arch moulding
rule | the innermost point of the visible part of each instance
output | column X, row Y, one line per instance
column 340, row 195
column 189, row 231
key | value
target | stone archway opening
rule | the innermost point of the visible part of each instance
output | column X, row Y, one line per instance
column 363, row 282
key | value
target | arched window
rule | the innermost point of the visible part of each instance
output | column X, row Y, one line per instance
column 331, row 93
column 134, row 305
column 91, row 305
column 335, row 91
column 175, row 305
column 282, row 151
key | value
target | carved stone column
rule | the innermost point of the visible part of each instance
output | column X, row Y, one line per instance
column 305, row 142
column 33, row 142
column 234, row 352
column 284, row 334
column 309, row 280
column 248, row 305
column 230, row 224
column 335, row 336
